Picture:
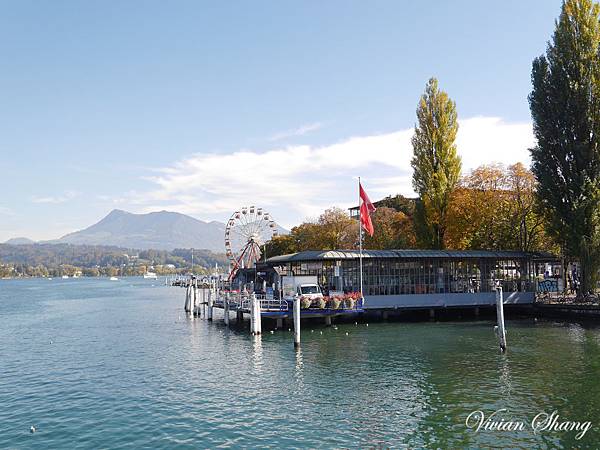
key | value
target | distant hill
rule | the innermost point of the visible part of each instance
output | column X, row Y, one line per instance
column 161, row 230
column 20, row 241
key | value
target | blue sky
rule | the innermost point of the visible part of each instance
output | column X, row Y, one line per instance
column 203, row 107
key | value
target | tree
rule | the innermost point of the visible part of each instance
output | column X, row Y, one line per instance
column 393, row 230
column 435, row 163
column 476, row 211
column 527, row 224
column 334, row 229
column 281, row 245
column 565, row 107
column 337, row 230
column 495, row 208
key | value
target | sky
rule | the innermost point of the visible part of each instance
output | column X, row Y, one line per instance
column 204, row 107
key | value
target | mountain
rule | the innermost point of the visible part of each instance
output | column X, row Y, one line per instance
column 161, row 230
column 20, row 241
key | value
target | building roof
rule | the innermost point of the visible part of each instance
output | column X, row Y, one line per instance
column 322, row 255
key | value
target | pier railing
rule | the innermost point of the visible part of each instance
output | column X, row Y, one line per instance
column 266, row 305
column 237, row 302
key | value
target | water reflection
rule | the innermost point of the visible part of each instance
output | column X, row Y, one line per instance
column 504, row 371
column 257, row 354
column 299, row 369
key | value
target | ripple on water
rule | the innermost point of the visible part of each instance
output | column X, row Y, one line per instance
column 126, row 369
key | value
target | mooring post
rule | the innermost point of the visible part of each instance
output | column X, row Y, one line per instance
column 255, row 319
column 226, row 309
column 296, row 322
column 186, row 307
column 328, row 321
column 258, row 316
column 195, row 298
column 252, row 315
column 210, row 305
column 500, row 330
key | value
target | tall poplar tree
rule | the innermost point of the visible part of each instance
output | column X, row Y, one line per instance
column 565, row 107
column 435, row 162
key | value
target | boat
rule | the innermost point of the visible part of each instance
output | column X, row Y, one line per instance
column 150, row 275
column 113, row 279
column 64, row 277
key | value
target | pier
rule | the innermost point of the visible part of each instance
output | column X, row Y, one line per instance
column 203, row 296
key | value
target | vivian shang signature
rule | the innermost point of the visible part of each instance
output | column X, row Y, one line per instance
column 542, row 422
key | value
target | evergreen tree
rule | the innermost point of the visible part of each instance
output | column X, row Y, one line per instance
column 435, row 162
column 565, row 106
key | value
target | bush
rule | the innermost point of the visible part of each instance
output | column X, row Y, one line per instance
column 349, row 303
column 335, row 303
column 321, row 303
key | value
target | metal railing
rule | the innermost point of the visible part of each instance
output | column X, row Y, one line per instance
column 266, row 305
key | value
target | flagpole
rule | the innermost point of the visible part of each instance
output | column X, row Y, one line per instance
column 360, row 233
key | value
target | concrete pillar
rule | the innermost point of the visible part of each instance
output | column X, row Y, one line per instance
column 431, row 313
column 477, row 311
column 239, row 317
column 279, row 324
column 328, row 321
column 384, row 315
column 296, row 322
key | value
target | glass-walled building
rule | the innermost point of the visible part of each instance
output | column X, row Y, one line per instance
column 440, row 275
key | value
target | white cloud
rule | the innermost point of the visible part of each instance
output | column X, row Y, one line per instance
column 296, row 182
column 482, row 140
column 4, row 211
column 68, row 195
column 300, row 131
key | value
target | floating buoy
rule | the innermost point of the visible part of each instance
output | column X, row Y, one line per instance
column 367, row 324
column 312, row 331
column 289, row 329
column 32, row 429
column 355, row 323
column 272, row 332
column 321, row 332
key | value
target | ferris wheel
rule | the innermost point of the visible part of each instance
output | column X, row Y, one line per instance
column 246, row 232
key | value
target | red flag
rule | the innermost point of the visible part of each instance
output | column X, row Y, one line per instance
column 366, row 208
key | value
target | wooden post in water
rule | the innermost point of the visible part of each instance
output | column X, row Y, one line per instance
column 194, row 297
column 296, row 321
column 210, row 305
column 186, row 307
column 500, row 331
column 226, row 309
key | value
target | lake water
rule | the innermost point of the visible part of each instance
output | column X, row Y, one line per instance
column 95, row 363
